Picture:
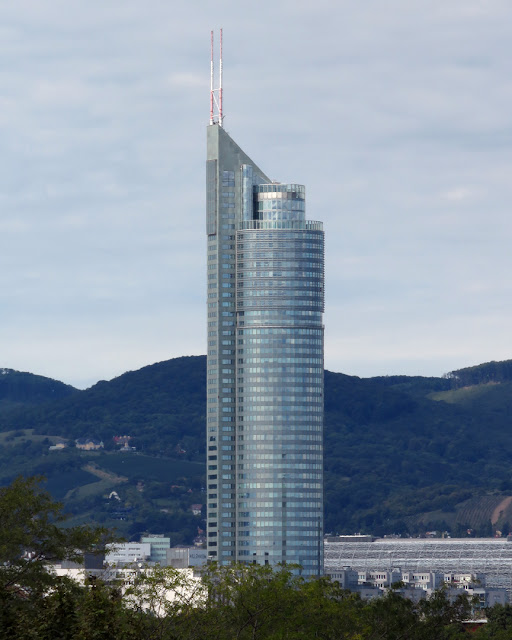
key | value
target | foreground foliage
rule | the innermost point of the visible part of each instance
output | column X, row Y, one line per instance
column 236, row 602
column 30, row 536
column 30, row 539
column 250, row 603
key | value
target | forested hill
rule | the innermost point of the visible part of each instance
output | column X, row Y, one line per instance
column 490, row 372
column 403, row 454
column 161, row 406
column 19, row 389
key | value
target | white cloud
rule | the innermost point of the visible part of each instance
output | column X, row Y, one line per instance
column 459, row 194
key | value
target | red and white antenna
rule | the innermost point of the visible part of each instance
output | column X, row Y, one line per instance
column 216, row 116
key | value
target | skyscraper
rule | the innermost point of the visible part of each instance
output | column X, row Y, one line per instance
column 265, row 365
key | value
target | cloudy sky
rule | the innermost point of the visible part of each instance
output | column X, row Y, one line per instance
column 395, row 114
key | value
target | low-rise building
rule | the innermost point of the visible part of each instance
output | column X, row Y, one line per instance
column 488, row 597
column 58, row 446
column 420, row 584
column 379, row 579
column 462, row 580
column 422, row 579
column 159, row 546
column 128, row 553
column 347, row 577
column 88, row 444
column 183, row 557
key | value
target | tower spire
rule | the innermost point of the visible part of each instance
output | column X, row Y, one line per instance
column 216, row 115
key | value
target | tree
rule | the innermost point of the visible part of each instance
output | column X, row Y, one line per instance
column 30, row 539
column 30, row 536
column 442, row 616
column 499, row 624
column 390, row 618
column 251, row 601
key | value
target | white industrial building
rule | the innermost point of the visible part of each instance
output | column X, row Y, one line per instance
column 128, row 553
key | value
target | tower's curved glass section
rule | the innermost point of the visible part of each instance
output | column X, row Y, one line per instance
column 280, row 298
column 265, row 404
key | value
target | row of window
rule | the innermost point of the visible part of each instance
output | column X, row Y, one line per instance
column 284, row 485
column 273, row 466
column 292, row 513
column 298, row 536
column 300, row 378
column 288, row 422
column 277, row 358
column 260, row 527
column 294, row 314
column 277, row 392
column 267, row 203
column 272, row 456
column 263, row 399
column 275, row 283
column 310, row 466
column 278, row 242
column 290, row 411
column 298, row 273
column 303, row 389
column 279, row 190
column 298, row 223
column 263, row 235
column 278, row 369
column 289, row 512
column 278, row 254
column 259, row 504
column 273, row 437
column 275, row 263
column 298, row 292
column 273, row 346
column 291, row 417
column 279, row 304
column 280, row 331
column 308, row 495
column 304, row 524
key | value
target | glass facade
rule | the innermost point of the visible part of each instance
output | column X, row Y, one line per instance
column 265, row 366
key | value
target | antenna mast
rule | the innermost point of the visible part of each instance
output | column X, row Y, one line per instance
column 216, row 116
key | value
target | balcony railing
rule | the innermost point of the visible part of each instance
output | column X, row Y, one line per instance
column 295, row 225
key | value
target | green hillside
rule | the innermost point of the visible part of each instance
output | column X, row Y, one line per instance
column 19, row 389
column 402, row 455
column 161, row 406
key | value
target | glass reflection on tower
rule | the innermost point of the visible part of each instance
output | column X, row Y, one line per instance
column 265, row 366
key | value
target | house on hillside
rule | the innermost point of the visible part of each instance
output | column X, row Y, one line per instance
column 126, row 448
column 196, row 509
column 58, row 446
column 88, row 444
